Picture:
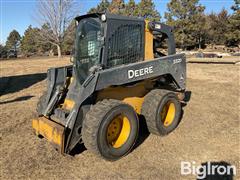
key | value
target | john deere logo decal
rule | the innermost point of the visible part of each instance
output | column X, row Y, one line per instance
column 140, row 72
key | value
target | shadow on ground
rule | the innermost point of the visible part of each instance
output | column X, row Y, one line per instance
column 143, row 132
column 14, row 84
column 18, row 99
column 78, row 149
column 216, row 171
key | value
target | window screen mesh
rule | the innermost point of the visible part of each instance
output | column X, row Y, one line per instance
column 125, row 45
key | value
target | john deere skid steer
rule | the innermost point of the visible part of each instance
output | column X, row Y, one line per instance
column 119, row 73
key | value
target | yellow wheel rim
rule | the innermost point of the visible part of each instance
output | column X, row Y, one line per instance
column 118, row 131
column 168, row 113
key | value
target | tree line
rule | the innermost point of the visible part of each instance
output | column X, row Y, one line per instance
column 193, row 28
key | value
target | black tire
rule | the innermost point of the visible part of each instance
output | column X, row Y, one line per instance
column 41, row 103
column 154, row 103
column 95, row 129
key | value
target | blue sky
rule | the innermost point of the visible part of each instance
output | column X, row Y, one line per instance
column 19, row 14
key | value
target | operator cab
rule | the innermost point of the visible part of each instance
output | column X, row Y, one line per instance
column 106, row 40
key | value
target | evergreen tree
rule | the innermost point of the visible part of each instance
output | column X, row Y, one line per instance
column 233, row 33
column 236, row 6
column 146, row 9
column 13, row 40
column 222, row 28
column 131, row 8
column 3, row 51
column 29, row 43
column 45, row 45
column 217, row 27
column 211, row 26
column 199, row 30
column 184, row 16
column 117, row 7
column 102, row 7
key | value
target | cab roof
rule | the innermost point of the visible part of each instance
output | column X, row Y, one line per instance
column 109, row 16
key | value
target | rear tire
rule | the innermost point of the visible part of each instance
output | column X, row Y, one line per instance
column 110, row 129
column 162, row 111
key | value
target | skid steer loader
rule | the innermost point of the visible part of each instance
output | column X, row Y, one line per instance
column 118, row 74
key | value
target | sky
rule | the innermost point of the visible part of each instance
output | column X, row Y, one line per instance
column 19, row 14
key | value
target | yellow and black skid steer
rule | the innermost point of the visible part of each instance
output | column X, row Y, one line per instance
column 119, row 73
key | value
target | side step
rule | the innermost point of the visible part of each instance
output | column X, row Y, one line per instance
column 51, row 130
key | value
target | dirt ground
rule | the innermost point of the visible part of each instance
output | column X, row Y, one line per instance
column 209, row 130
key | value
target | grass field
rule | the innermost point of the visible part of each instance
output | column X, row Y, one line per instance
column 209, row 130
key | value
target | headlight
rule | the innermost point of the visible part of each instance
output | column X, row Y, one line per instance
column 103, row 17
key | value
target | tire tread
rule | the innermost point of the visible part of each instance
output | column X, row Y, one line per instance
column 92, row 122
column 149, row 108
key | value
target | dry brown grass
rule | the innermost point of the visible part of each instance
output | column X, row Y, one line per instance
column 209, row 130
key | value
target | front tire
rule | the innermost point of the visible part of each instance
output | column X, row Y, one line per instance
column 110, row 129
column 162, row 111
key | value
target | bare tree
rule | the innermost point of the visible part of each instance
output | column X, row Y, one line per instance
column 55, row 16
